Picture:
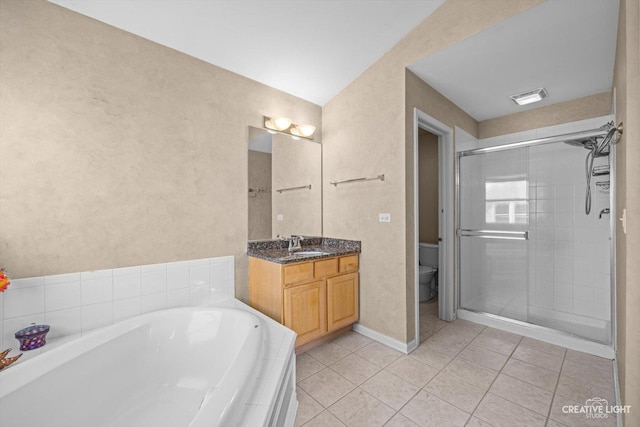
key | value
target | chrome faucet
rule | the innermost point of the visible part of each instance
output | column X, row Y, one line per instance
column 294, row 243
column 604, row 211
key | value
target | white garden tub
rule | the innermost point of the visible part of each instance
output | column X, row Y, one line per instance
column 179, row 367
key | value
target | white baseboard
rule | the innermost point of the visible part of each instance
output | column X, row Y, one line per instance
column 405, row 348
column 539, row 333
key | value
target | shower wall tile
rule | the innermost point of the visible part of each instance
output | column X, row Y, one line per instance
column 79, row 302
column 563, row 304
column 568, row 250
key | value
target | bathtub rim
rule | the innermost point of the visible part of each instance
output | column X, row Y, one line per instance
column 15, row 377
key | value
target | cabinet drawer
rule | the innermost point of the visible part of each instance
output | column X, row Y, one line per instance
column 348, row 263
column 326, row 267
column 298, row 273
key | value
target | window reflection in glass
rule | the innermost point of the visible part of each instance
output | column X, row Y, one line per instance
column 506, row 202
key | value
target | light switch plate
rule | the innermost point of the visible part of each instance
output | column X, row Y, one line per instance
column 384, row 217
column 280, row 217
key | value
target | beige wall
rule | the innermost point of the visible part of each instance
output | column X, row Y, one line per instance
column 428, row 185
column 259, row 200
column 366, row 131
column 116, row 151
column 587, row 107
column 627, row 87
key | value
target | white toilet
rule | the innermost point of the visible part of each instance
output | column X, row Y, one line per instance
column 428, row 271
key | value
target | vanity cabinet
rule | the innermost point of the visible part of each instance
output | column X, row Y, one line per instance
column 318, row 299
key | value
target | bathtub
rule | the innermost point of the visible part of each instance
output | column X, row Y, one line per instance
column 180, row 367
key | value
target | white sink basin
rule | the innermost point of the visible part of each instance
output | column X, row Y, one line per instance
column 310, row 253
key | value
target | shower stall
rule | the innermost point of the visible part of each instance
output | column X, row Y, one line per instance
column 535, row 243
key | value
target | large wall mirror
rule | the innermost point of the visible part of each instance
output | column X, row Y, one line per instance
column 285, row 186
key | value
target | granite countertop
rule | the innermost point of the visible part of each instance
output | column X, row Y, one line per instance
column 277, row 250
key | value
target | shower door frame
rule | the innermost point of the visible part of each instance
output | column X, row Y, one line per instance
column 532, row 330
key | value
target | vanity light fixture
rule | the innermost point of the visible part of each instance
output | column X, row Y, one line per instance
column 286, row 126
column 304, row 131
column 530, row 96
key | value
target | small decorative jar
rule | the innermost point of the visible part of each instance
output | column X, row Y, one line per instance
column 32, row 337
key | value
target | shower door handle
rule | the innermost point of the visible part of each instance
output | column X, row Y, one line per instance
column 494, row 234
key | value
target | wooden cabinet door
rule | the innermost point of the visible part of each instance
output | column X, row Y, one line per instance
column 342, row 301
column 305, row 310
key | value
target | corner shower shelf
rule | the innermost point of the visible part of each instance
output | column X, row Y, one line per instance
column 603, row 185
column 601, row 170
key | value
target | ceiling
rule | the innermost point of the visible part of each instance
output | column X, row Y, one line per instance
column 314, row 48
column 565, row 46
column 308, row 48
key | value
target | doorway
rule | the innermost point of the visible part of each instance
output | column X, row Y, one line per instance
column 428, row 232
column 441, row 138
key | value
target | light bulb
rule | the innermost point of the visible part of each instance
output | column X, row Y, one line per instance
column 281, row 123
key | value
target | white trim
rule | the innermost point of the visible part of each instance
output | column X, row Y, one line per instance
column 405, row 348
column 539, row 333
column 446, row 153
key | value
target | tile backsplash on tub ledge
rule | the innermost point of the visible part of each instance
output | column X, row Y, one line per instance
column 76, row 303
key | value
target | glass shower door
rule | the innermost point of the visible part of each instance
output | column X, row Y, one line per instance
column 493, row 229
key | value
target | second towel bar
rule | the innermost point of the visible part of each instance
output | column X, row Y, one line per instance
column 294, row 188
column 335, row 183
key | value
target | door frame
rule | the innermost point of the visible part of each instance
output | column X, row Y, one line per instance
column 446, row 216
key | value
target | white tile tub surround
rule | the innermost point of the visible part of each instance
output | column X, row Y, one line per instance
column 79, row 302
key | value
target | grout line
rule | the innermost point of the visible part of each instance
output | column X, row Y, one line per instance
column 553, row 397
column 499, row 372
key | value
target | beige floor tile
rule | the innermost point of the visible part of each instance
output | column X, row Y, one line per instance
column 466, row 327
column 355, row 368
column 324, row 419
column 412, row 370
column 599, row 377
column 590, row 360
column 532, row 374
column 453, row 390
column 378, row 353
column 429, row 325
column 326, row 387
column 502, row 335
column 538, row 358
column 328, row 353
column 400, row 420
column 448, row 341
column 552, row 423
column 543, row 346
column 431, row 321
column 477, row 375
column 431, row 357
column 390, row 389
column 502, row 413
column 427, row 410
column 352, row 341
column 482, row 356
column 576, row 419
column 306, row 366
column 477, row 422
column 360, row 409
column 504, row 344
column 523, row 394
column 581, row 389
column 307, row 407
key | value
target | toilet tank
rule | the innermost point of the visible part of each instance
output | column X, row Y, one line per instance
column 429, row 254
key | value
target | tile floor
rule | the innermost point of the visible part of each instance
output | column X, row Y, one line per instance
column 462, row 374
